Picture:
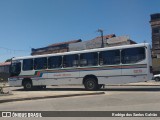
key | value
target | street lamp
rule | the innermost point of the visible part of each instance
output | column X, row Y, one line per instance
column 101, row 31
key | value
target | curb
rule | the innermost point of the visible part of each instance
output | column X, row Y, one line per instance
column 56, row 96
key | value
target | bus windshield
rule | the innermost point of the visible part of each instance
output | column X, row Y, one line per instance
column 15, row 68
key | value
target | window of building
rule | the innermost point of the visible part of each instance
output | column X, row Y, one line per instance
column 109, row 57
column 27, row 64
column 40, row 63
column 70, row 61
column 132, row 55
column 89, row 59
column 155, row 16
column 54, row 62
column 156, row 30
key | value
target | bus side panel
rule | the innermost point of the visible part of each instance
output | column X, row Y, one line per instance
column 63, row 81
column 121, row 79
column 102, row 73
column 37, row 77
column 135, row 71
column 64, row 76
column 17, row 82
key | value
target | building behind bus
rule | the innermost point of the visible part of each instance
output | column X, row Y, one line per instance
column 155, row 28
column 76, row 45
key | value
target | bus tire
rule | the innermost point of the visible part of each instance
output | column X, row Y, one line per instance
column 27, row 85
column 91, row 84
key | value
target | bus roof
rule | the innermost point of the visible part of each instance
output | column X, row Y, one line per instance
column 83, row 51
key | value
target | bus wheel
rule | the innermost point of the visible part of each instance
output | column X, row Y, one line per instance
column 90, row 84
column 27, row 85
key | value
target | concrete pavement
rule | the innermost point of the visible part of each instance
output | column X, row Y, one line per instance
column 20, row 94
column 117, row 98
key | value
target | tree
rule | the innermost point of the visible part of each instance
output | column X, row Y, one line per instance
column 8, row 60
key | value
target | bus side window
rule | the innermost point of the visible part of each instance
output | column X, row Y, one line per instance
column 101, row 61
column 133, row 55
column 54, row 62
column 110, row 57
column 83, row 62
column 70, row 61
column 89, row 59
column 40, row 63
column 75, row 63
column 27, row 64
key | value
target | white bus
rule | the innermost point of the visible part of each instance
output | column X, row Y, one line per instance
column 93, row 68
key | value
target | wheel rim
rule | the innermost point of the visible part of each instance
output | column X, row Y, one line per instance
column 28, row 85
column 90, row 84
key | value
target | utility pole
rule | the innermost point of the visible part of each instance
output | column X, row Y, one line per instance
column 101, row 31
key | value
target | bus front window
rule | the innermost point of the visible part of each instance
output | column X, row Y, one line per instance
column 15, row 68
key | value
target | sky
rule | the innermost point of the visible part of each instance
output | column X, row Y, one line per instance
column 26, row 24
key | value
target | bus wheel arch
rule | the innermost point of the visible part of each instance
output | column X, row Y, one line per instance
column 90, row 82
column 27, row 83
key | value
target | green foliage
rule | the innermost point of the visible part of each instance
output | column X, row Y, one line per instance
column 8, row 60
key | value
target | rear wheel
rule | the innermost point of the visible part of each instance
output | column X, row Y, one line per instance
column 27, row 85
column 91, row 84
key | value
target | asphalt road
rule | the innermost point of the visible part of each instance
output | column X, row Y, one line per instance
column 116, row 98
